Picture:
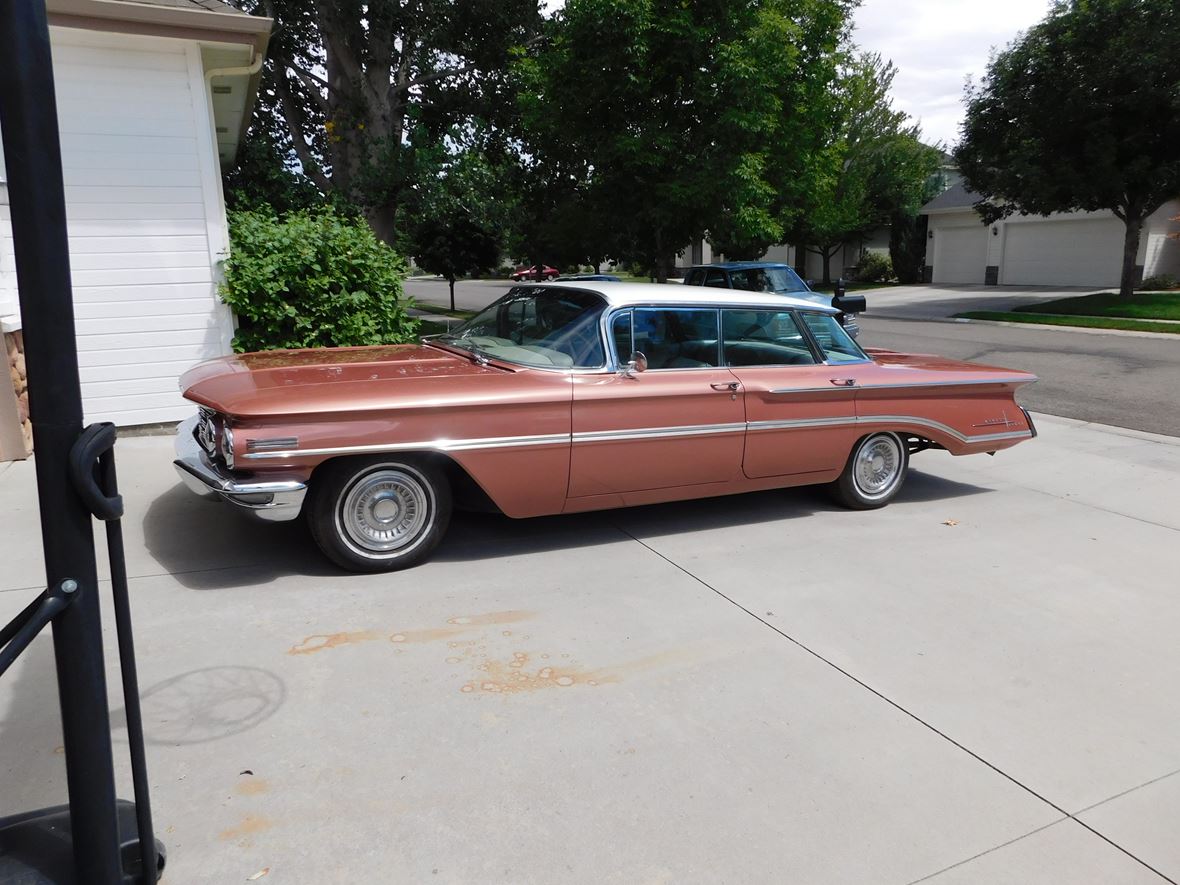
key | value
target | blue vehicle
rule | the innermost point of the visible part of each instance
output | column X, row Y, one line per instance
column 596, row 277
column 773, row 276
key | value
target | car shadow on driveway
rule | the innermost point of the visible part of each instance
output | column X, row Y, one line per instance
column 206, row 545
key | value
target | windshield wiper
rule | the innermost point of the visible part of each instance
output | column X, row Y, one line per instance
column 465, row 345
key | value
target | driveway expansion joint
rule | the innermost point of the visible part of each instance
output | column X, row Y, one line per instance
column 1065, row 815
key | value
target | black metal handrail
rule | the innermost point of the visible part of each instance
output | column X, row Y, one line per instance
column 16, row 635
column 92, row 469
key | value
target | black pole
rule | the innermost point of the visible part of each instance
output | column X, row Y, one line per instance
column 32, row 151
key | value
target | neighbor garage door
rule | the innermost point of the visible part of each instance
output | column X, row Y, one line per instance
column 960, row 254
column 1062, row 253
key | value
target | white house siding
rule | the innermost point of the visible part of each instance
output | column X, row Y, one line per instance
column 144, row 220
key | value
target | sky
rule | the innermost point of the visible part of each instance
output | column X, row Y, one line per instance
column 936, row 45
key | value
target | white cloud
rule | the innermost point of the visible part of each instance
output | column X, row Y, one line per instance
column 936, row 46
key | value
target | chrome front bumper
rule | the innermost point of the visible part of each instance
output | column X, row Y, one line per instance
column 272, row 500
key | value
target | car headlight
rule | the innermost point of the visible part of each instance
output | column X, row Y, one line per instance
column 227, row 445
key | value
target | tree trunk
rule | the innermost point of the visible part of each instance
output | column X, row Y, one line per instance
column 451, row 281
column 1134, row 223
column 801, row 261
column 827, row 252
column 383, row 221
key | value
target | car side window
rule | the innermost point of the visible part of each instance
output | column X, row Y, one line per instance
column 764, row 338
column 837, row 345
column 620, row 333
column 694, row 278
column 676, row 338
column 717, row 279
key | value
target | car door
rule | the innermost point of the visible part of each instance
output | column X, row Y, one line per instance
column 681, row 422
column 800, row 411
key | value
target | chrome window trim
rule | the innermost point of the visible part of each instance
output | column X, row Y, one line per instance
column 820, row 349
column 609, row 315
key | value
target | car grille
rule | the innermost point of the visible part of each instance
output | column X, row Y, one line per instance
column 206, row 431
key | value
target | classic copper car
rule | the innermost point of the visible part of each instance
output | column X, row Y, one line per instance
column 567, row 397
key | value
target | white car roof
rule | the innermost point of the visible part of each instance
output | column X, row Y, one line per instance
column 636, row 294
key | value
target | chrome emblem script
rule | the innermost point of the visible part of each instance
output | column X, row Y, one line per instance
column 207, row 433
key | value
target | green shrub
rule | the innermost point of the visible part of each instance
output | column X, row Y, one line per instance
column 873, row 267
column 312, row 279
column 1159, row 283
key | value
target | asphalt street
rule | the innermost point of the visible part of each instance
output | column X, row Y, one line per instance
column 1122, row 379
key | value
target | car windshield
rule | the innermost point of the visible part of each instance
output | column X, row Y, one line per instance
column 535, row 326
column 767, row 279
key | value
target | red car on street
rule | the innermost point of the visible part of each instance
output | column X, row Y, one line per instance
column 545, row 272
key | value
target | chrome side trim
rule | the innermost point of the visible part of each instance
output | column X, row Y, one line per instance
column 802, row 423
column 938, row 425
column 435, row 445
column 639, row 433
column 973, row 382
column 658, row 432
column 268, row 445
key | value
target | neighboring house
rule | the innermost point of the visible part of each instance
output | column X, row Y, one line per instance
column 153, row 97
column 1063, row 249
column 842, row 261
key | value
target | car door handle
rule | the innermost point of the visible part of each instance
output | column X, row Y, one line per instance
column 843, row 382
column 731, row 386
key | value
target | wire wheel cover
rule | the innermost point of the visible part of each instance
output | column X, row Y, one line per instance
column 878, row 466
column 385, row 510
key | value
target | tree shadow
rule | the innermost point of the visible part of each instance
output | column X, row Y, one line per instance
column 207, row 705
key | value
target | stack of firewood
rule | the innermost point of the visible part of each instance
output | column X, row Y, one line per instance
column 15, row 348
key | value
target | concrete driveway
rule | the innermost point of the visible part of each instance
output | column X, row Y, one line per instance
column 939, row 302
column 974, row 685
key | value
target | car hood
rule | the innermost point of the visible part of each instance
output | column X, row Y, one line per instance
column 337, row 379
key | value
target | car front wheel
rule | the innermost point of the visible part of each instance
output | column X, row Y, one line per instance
column 874, row 472
column 379, row 514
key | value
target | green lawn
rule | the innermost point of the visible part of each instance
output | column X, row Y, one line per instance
column 444, row 311
column 1087, row 322
column 1140, row 306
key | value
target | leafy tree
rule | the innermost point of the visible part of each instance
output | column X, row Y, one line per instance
column 458, row 229
column 1081, row 113
column 872, row 168
column 367, row 90
column 672, row 109
column 263, row 178
column 907, row 230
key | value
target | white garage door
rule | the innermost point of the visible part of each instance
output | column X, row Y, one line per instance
column 960, row 254
column 1063, row 253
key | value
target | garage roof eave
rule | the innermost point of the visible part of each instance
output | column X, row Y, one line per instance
column 194, row 23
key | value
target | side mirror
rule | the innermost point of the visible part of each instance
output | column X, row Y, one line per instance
column 637, row 364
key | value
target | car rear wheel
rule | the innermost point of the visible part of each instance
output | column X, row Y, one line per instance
column 379, row 514
column 874, row 472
